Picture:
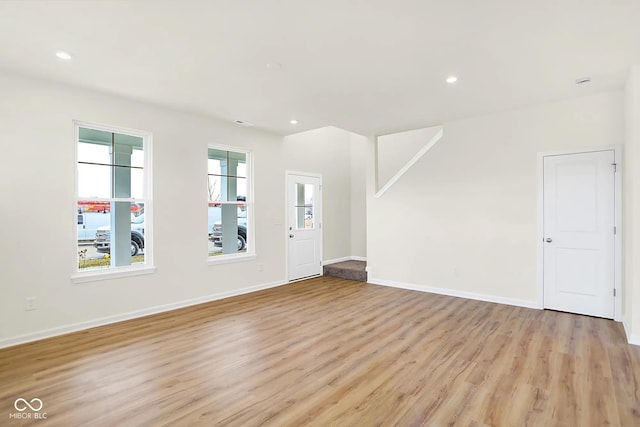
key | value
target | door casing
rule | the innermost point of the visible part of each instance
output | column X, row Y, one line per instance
column 617, row 149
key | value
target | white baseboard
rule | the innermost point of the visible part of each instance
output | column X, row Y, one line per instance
column 631, row 338
column 346, row 258
column 74, row 327
column 627, row 329
column 455, row 293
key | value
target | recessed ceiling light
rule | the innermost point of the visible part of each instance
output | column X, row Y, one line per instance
column 63, row 55
column 583, row 80
column 293, row 121
column 274, row 66
column 451, row 79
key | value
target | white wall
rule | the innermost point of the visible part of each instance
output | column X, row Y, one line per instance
column 463, row 218
column 631, row 211
column 36, row 208
column 358, row 196
column 328, row 151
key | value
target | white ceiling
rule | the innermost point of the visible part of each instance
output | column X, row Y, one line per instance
column 368, row 66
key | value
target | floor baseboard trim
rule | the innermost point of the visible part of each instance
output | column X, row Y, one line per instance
column 346, row 258
column 80, row 326
column 455, row 293
column 633, row 339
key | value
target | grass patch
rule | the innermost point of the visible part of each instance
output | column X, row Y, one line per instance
column 105, row 262
column 244, row 251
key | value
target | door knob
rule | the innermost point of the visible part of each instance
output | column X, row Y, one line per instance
column 291, row 236
column 548, row 240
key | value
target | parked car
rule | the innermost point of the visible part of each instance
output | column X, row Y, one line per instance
column 216, row 234
column 103, row 233
column 89, row 222
column 215, row 213
column 103, row 236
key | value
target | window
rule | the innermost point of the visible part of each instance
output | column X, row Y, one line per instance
column 113, row 204
column 229, row 203
column 304, row 206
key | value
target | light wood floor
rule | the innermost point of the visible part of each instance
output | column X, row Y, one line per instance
column 333, row 352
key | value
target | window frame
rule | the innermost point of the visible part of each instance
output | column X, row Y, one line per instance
column 250, row 253
column 147, row 267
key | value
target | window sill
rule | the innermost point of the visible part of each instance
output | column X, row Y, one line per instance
column 228, row 259
column 95, row 275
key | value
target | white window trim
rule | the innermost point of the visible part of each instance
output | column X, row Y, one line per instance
column 79, row 276
column 230, row 258
column 111, row 273
column 250, row 254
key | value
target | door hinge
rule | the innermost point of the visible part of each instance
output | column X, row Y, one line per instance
column 615, row 167
column 614, row 292
column 615, row 231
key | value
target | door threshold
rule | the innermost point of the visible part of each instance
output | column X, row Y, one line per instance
column 305, row 278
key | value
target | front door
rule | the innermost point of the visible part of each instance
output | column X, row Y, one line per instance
column 304, row 225
column 579, row 269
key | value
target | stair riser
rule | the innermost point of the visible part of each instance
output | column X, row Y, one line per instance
column 360, row 276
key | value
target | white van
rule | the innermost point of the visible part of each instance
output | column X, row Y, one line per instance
column 88, row 224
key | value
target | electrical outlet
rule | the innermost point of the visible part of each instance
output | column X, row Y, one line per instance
column 260, row 267
column 30, row 303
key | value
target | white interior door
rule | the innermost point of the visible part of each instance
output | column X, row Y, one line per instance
column 579, row 219
column 304, row 226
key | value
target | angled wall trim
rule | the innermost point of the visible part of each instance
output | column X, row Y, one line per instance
column 434, row 139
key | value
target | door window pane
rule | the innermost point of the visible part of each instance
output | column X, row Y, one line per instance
column 304, row 206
